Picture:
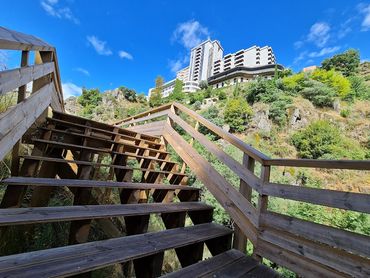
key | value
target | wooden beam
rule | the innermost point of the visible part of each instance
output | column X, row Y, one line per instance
column 15, row 78
column 17, row 120
column 243, row 213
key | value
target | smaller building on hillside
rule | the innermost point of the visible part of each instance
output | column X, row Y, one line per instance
column 309, row 69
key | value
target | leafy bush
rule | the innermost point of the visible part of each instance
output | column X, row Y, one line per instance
column 90, row 97
column 197, row 96
column 197, row 105
column 323, row 140
column 318, row 93
column 333, row 79
column 278, row 109
column 359, row 89
column 294, row 83
column 213, row 115
column 177, row 94
column 344, row 113
column 129, row 94
column 262, row 90
column 237, row 112
column 221, row 95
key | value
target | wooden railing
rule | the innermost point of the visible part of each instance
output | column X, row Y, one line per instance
column 307, row 248
column 46, row 88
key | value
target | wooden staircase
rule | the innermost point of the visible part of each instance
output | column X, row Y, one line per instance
column 92, row 159
column 117, row 180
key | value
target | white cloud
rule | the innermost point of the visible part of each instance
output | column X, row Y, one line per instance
column 323, row 52
column 298, row 44
column 300, row 57
column 319, row 34
column 70, row 89
column 190, row 33
column 83, row 71
column 365, row 9
column 125, row 55
column 52, row 8
column 99, row 46
column 175, row 65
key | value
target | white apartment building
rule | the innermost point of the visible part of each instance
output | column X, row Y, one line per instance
column 207, row 63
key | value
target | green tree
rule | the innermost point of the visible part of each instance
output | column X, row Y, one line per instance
column 89, row 99
column 213, row 115
column 129, row 94
column 177, row 94
column 347, row 62
column 156, row 95
column 237, row 112
column 203, row 84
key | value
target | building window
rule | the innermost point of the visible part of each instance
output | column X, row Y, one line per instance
column 217, row 86
column 235, row 80
column 241, row 79
column 222, row 84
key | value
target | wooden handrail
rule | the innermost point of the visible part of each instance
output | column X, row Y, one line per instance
column 308, row 248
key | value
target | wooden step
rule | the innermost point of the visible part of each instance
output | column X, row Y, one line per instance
column 111, row 133
column 18, row 216
column 75, row 259
column 232, row 263
column 98, row 125
column 92, row 183
column 58, row 131
column 88, row 163
column 96, row 150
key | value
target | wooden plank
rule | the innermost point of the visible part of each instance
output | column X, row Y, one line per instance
column 209, row 266
column 16, row 121
column 242, row 212
column 352, row 242
column 91, row 183
column 14, row 78
column 21, row 216
column 257, row 155
column 230, row 162
column 104, row 128
column 85, row 257
column 332, row 198
column 240, row 240
column 149, row 117
column 21, row 97
column 297, row 263
column 10, row 39
column 88, row 163
column 68, row 132
column 336, row 259
column 146, row 113
column 155, row 128
column 321, row 163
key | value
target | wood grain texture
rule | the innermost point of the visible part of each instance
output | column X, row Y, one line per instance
column 75, row 259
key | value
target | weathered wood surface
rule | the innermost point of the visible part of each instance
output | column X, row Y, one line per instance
column 92, row 183
column 230, row 162
column 326, row 197
column 88, row 163
column 155, row 128
column 85, row 257
column 18, row 216
column 17, row 120
column 310, row 250
column 243, row 213
column 228, row 264
column 10, row 39
column 321, row 163
column 341, row 239
column 146, row 118
column 12, row 79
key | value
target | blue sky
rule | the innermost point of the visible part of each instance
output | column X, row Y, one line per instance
column 107, row 44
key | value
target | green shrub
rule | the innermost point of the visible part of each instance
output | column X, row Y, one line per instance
column 318, row 93
column 323, row 140
column 334, row 80
column 213, row 115
column 237, row 112
column 197, row 96
column 129, row 94
column 89, row 97
column 262, row 90
column 344, row 113
column 359, row 89
column 197, row 105
column 221, row 95
column 294, row 83
column 347, row 62
column 278, row 109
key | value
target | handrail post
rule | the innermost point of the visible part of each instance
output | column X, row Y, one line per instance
column 21, row 96
column 262, row 204
column 240, row 240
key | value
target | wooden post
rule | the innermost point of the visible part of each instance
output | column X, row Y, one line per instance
column 240, row 240
column 21, row 97
column 262, row 203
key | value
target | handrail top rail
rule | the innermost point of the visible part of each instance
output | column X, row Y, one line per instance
column 254, row 153
column 13, row 40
